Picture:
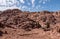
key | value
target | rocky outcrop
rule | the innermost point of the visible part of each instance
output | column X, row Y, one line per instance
column 16, row 21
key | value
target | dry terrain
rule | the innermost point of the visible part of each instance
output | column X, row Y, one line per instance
column 16, row 24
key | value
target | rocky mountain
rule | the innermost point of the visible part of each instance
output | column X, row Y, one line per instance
column 16, row 24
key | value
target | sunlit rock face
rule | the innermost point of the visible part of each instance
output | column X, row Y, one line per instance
column 16, row 24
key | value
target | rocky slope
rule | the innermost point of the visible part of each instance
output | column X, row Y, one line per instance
column 15, row 24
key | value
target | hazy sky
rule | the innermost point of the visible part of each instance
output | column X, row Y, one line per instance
column 30, row 5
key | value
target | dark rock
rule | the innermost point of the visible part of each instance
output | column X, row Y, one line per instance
column 1, row 33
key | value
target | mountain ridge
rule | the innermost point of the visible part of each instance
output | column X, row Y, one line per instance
column 16, row 24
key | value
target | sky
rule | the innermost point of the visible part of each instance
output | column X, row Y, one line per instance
column 30, row 5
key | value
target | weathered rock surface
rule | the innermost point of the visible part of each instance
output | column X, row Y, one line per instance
column 15, row 24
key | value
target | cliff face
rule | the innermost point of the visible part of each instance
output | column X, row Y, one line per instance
column 16, row 24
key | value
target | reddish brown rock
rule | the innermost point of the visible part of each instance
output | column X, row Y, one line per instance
column 16, row 24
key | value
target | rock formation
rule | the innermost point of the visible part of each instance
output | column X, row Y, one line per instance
column 38, row 25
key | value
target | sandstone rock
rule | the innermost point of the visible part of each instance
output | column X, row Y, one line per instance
column 16, row 24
